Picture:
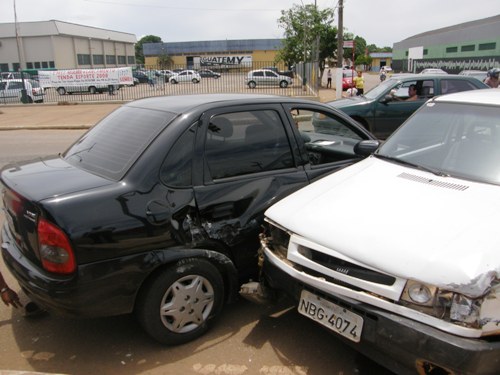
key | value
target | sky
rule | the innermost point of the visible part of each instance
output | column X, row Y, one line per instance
column 382, row 22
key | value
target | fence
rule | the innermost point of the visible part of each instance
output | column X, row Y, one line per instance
column 231, row 80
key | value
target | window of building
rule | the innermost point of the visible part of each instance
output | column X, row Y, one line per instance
column 110, row 59
column 451, row 49
column 98, row 59
column 426, row 51
column 487, row 46
column 121, row 60
column 15, row 67
column 45, row 64
column 468, row 48
column 38, row 65
column 52, row 64
column 406, row 53
column 4, row 67
column 29, row 65
column 131, row 59
column 83, row 59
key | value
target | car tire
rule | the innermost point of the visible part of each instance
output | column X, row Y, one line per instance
column 92, row 90
column 193, row 289
column 195, row 80
column 252, row 84
column 173, row 81
column 283, row 84
column 61, row 90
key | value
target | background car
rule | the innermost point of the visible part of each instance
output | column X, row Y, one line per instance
column 11, row 90
column 207, row 73
column 417, row 272
column 382, row 109
column 479, row 74
column 157, row 209
column 347, row 76
column 141, row 76
column 288, row 73
column 433, row 71
column 264, row 77
column 185, row 76
column 165, row 73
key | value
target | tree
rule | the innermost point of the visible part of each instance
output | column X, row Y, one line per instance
column 139, row 53
column 303, row 25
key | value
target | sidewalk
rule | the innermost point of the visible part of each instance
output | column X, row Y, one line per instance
column 72, row 116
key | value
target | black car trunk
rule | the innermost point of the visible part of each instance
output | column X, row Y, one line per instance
column 27, row 185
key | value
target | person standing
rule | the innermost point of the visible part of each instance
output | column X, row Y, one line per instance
column 329, row 79
column 359, row 83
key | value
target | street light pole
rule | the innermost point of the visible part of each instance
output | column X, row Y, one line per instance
column 340, row 50
column 24, row 96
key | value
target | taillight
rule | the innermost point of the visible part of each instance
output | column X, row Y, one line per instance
column 55, row 250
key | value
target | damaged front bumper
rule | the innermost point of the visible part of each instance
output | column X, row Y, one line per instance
column 402, row 345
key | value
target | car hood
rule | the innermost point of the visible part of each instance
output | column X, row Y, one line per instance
column 402, row 221
column 48, row 178
column 349, row 102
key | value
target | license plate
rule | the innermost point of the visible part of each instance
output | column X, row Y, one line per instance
column 332, row 316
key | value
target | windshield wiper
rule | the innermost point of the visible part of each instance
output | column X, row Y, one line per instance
column 436, row 172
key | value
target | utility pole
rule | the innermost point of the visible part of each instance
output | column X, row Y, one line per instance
column 20, row 54
column 340, row 50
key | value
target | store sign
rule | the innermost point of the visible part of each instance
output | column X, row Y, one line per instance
column 225, row 61
column 348, row 44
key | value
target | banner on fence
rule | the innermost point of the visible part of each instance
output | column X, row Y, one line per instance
column 85, row 77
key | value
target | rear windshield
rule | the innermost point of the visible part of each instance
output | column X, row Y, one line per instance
column 113, row 145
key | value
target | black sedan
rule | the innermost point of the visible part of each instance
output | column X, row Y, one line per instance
column 207, row 73
column 157, row 209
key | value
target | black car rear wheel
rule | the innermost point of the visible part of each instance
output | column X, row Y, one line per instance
column 177, row 305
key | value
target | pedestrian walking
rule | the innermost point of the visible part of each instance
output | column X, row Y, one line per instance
column 359, row 83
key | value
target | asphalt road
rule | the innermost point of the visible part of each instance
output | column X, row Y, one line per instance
column 247, row 339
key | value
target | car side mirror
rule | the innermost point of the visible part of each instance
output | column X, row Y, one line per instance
column 366, row 147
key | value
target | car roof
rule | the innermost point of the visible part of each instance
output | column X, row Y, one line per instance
column 486, row 97
column 184, row 103
column 411, row 76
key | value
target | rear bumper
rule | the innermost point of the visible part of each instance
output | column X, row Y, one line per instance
column 400, row 344
column 97, row 289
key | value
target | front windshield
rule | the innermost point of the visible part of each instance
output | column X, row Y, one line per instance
column 459, row 140
column 385, row 86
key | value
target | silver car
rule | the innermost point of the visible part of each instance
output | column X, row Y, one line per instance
column 266, row 77
column 11, row 91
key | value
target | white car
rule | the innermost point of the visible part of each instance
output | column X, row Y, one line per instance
column 266, row 77
column 185, row 76
column 11, row 91
column 399, row 254
column 433, row 71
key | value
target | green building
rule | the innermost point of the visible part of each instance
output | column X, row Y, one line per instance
column 472, row 45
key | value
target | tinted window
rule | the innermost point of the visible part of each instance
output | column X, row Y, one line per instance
column 113, row 145
column 246, row 142
column 177, row 168
column 449, row 86
column 258, row 74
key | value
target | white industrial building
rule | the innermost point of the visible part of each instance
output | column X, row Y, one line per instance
column 62, row 45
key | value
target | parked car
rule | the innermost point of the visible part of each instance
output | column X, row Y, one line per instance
column 433, row 71
column 479, row 74
column 185, row 76
column 91, row 89
column 288, row 73
column 207, row 73
column 166, row 74
column 347, row 76
column 141, row 76
column 397, row 255
column 11, row 91
column 382, row 109
column 157, row 208
column 263, row 77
